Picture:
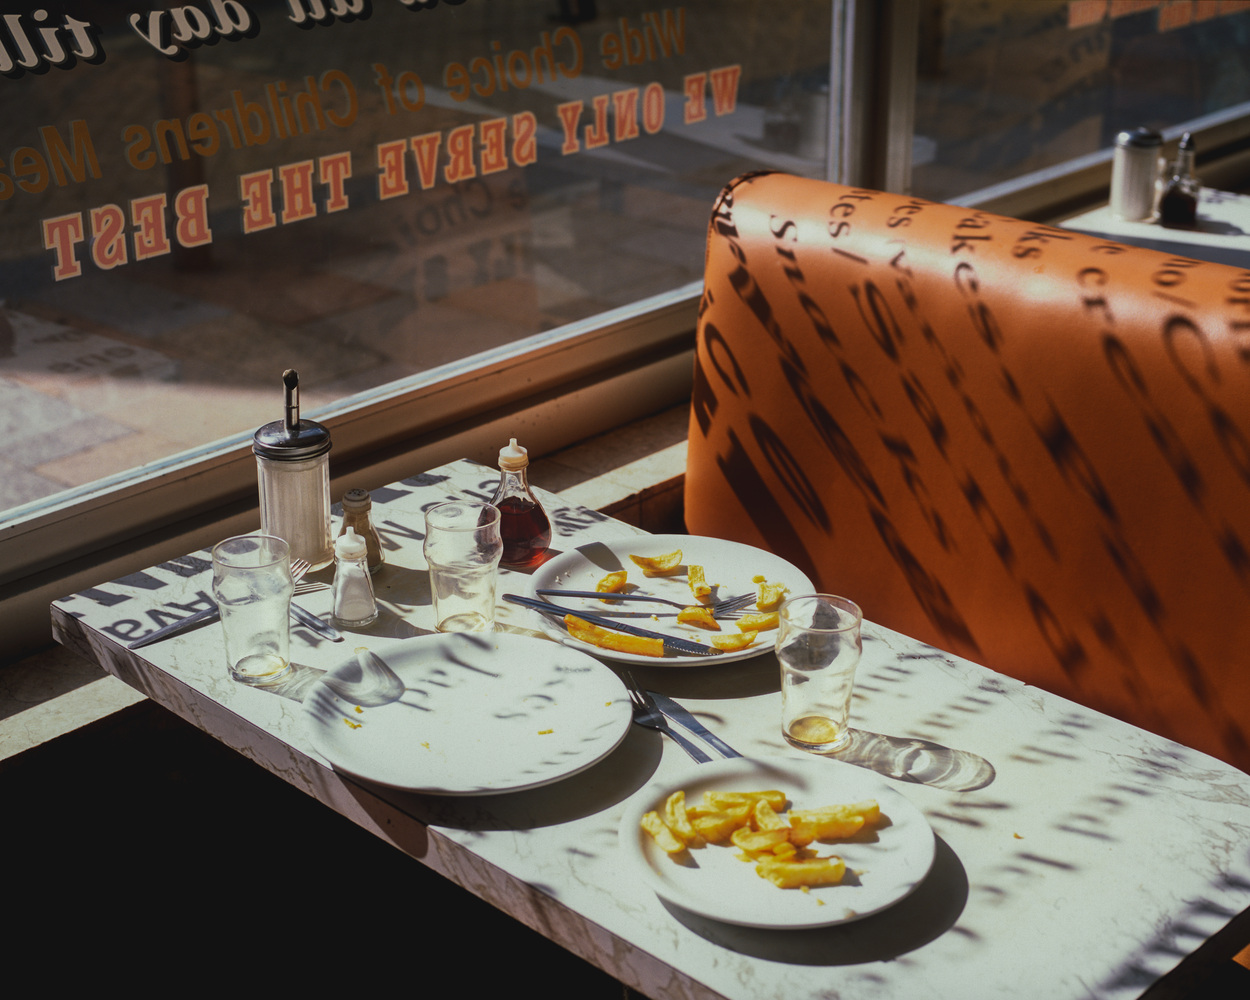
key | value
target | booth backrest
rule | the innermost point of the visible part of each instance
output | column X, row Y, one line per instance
column 1024, row 445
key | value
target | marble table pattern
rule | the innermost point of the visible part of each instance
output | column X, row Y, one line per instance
column 1077, row 856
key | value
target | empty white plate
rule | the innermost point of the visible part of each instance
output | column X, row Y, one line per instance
column 467, row 713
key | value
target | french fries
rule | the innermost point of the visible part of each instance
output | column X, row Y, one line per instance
column 663, row 565
column 698, row 615
column 770, row 595
column 760, row 622
column 787, row 873
column 697, row 580
column 730, row 643
column 619, row 642
column 613, row 583
column 758, row 825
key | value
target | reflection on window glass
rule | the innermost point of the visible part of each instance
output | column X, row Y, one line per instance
column 1007, row 88
column 200, row 195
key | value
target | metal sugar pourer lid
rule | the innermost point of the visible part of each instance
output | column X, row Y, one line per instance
column 291, row 439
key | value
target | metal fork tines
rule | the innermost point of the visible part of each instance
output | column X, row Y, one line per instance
column 647, row 715
column 729, row 606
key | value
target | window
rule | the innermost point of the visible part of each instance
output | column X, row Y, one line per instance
column 461, row 220
column 1017, row 96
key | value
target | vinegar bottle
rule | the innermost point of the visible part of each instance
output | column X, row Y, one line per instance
column 1179, row 204
column 523, row 523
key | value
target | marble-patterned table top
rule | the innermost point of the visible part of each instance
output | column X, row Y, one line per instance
column 1077, row 856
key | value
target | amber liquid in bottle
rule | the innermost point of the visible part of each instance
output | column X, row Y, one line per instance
column 526, row 531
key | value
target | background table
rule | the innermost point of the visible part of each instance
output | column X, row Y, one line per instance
column 1076, row 856
column 1222, row 233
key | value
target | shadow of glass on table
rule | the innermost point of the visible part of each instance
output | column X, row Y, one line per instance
column 922, row 762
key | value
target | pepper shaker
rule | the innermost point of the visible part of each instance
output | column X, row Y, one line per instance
column 357, row 515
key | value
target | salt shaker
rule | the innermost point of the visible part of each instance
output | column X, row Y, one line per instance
column 523, row 523
column 1135, row 174
column 357, row 514
column 354, row 602
column 293, row 469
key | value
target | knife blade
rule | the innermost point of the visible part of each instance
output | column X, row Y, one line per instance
column 212, row 614
column 315, row 623
column 176, row 628
column 683, row 717
column 674, row 644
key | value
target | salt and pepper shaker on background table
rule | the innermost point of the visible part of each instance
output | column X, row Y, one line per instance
column 1135, row 174
column 293, row 469
column 1178, row 206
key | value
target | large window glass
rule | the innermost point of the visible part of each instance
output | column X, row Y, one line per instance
column 1005, row 90
column 196, row 196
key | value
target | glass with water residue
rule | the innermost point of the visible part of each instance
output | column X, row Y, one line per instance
column 252, row 586
column 818, row 645
column 463, row 547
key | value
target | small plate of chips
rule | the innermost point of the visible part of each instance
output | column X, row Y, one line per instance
column 843, row 843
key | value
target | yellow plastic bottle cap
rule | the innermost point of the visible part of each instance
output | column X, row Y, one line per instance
column 513, row 457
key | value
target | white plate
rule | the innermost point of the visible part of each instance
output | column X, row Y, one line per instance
column 729, row 566
column 467, row 713
column 713, row 882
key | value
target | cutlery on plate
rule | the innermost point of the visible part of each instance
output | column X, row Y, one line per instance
column 298, row 568
column 648, row 716
column 728, row 606
column 674, row 644
column 684, row 718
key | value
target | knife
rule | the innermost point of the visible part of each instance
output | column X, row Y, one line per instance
column 686, row 720
column 213, row 613
column 673, row 644
column 315, row 623
column 175, row 628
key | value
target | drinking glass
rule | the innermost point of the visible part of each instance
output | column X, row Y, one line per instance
column 462, row 548
column 252, row 587
column 818, row 645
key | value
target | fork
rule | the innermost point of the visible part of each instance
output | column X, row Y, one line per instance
column 647, row 715
column 725, row 607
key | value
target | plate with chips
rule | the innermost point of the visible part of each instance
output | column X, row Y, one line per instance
column 884, row 860
column 689, row 570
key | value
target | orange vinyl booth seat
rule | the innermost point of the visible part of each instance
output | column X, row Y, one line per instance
column 1023, row 445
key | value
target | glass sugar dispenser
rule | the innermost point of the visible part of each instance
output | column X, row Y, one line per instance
column 358, row 515
column 354, row 602
column 293, row 469
column 523, row 523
